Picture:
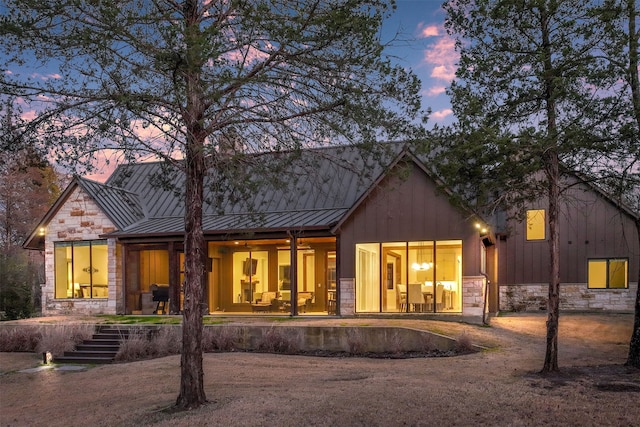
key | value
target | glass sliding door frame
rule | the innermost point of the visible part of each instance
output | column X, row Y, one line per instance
column 417, row 276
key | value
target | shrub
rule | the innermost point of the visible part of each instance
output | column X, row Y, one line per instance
column 426, row 343
column 277, row 340
column 355, row 341
column 57, row 339
column 143, row 343
column 395, row 343
column 21, row 338
column 134, row 347
column 18, row 279
column 166, row 341
column 220, row 338
column 464, row 344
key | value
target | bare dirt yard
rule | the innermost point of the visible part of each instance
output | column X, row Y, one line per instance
column 499, row 386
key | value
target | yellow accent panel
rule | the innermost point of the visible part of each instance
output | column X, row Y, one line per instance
column 536, row 224
column 618, row 273
column 597, row 274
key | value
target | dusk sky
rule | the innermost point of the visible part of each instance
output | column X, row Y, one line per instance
column 422, row 46
column 431, row 54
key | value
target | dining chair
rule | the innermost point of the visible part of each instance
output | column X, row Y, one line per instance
column 415, row 298
column 401, row 297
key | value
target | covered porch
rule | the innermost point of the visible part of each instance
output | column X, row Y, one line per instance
column 285, row 275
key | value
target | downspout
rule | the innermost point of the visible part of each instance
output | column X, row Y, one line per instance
column 486, row 298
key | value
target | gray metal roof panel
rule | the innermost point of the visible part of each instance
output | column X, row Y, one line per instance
column 121, row 206
column 222, row 224
column 284, row 189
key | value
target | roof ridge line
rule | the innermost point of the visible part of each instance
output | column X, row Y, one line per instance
column 109, row 186
column 249, row 213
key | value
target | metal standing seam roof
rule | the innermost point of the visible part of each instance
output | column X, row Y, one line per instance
column 222, row 224
column 315, row 193
column 121, row 206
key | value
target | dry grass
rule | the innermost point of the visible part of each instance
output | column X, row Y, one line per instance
column 55, row 339
column 498, row 387
column 16, row 339
column 143, row 343
column 135, row 347
column 167, row 341
column 464, row 345
column 279, row 340
column 355, row 341
column 222, row 338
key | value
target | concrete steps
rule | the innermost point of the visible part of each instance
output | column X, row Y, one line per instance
column 100, row 349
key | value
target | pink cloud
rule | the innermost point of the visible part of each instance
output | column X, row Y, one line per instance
column 435, row 91
column 443, row 57
column 46, row 76
column 441, row 115
column 429, row 30
column 29, row 115
column 248, row 54
column 444, row 72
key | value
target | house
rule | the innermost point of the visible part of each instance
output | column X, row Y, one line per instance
column 599, row 254
column 327, row 239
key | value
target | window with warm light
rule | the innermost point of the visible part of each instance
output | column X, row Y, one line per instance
column 536, row 224
column 422, row 276
column 608, row 273
column 81, row 269
column 250, row 275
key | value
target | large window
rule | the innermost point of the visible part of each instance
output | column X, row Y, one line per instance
column 409, row 276
column 81, row 269
column 536, row 224
column 250, row 275
column 368, row 277
column 306, row 273
column 608, row 273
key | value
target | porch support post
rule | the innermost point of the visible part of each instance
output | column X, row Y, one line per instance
column 174, row 279
column 124, row 275
column 338, row 275
column 293, row 272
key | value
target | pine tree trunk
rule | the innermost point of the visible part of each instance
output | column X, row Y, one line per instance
column 553, row 303
column 552, row 171
column 191, row 371
column 634, row 346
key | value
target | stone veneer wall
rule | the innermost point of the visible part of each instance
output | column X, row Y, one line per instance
column 347, row 303
column 473, row 289
column 573, row 297
column 79, row 218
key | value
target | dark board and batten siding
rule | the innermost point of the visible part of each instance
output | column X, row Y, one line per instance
column 590, row 227
column 408, row 209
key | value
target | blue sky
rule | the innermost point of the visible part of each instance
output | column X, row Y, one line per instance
column 424, row 47
column 429, row 52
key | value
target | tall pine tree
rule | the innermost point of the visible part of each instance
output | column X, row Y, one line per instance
column 526, row 111
column 178, row 79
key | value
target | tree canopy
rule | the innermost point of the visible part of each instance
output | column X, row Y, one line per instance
column 28, row 186
column 535, row 101
column 197, row 83
column 132, row 76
